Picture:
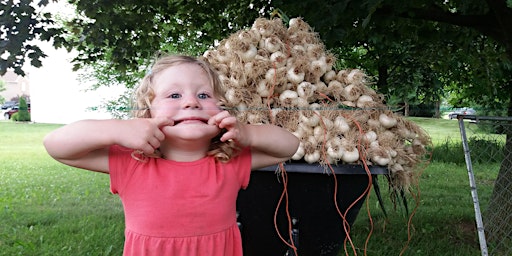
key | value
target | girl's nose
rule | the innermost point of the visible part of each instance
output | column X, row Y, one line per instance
column 190, row 102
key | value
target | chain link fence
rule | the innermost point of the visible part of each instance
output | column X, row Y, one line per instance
column 487, row 143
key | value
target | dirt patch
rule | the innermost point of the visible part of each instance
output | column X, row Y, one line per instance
column 465, row 233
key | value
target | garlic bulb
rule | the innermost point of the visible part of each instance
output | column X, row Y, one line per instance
column 306, row 90
column 295, row 75
column 299, row 154
column 250, row 53
column 350, row 155
column 364, row 101
column 312, row 157
column 341, row 125
column 288, row 97
column 334, row 148
column 387, row 121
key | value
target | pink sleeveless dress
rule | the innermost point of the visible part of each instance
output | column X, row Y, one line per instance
column 179, row 208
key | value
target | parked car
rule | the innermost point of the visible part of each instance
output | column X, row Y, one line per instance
column 12, row 110
column 461, row 111
column 8, row 104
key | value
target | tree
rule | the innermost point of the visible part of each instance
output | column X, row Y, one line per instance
column 23, row 114
column 449, row 38
column 128, row 32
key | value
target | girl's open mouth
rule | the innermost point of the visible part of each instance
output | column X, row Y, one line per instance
column 191, row 120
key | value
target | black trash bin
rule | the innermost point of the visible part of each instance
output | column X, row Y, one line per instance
column 317, row 223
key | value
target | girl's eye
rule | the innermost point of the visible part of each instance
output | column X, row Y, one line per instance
column 203, row 96
column 175, row 96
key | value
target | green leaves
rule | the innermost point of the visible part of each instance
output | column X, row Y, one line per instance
column 416, row 47
column 402, row 41
column 124, row 32
column 21, row 23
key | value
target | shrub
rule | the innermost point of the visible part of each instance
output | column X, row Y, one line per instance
column 487, row 150
column 449, row 151
column 15, row 116
column 422, row 110
column 23, row 114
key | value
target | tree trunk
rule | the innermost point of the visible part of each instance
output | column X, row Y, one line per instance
column 437, row 114
column 498, row 218
column 406, row 108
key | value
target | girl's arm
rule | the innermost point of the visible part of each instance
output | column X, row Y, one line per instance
column 270, row 144
column 84, row 144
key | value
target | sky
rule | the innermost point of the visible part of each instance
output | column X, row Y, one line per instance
column 56, row 94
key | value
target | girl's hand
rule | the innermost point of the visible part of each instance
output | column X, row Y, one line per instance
column 235, row 130
column 270, row 144
column 143, row 134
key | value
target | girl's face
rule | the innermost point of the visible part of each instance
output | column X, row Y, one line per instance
column 184, row 93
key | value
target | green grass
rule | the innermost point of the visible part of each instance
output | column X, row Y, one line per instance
column 442, row 224
column 47, row 208
column 441, row 218
column 441, row 129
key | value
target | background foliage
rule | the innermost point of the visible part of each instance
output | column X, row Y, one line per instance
column 417, row 52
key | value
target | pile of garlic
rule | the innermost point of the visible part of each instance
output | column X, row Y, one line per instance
column 283, row 75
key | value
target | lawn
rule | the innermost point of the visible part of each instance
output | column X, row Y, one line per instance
column 47, row 208
column 439, row 129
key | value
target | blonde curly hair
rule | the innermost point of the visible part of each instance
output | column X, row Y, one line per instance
column 144, row 95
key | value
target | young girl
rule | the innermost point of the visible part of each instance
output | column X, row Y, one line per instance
column 177, row 166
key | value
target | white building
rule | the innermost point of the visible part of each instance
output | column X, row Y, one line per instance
column 15, row 86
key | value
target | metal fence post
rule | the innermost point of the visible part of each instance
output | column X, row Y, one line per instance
column 472, row 184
